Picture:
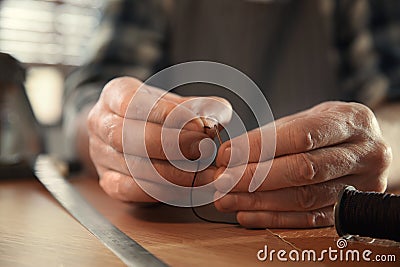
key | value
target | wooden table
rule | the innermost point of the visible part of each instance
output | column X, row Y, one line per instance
column 36, row 231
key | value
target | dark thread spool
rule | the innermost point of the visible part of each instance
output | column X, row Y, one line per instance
column 368, row 214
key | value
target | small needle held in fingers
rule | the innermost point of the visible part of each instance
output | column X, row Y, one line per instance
column 215, row 128
column 218, row 135
column 207, row 122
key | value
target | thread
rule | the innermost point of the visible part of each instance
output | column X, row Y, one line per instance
column 368, row 214
column 206, row 127
column 197, row 214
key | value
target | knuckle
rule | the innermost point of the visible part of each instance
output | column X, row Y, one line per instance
column 318, row 218
column 380, row 185
column 93, row 147
column 364, row 111
column 159, row 111
column 309, row 140
column 305, row 198
column 114, row 132
column 301, row 136
column 383, row 155
column 256, row 202
column 356, row 108
column 255, row 143
column 168, row 114
column 109, row 182
column 121, row 83
column 362, row 116
column 113, row 184
column 112, row 93
column 111, row 87
column 382, row 158
column 358, row 118
column 113, row 83
column 92, row 119
column 301, row 169
column 330, row 104
column 311, row 219
column 375, row 183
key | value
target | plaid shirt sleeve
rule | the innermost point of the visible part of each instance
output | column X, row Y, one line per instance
column 368, row 41
column 132, row 37
column 130, row 41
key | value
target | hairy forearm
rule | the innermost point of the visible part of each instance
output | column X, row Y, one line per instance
column 388, row 116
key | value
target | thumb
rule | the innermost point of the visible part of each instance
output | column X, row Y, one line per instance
column 212, row 108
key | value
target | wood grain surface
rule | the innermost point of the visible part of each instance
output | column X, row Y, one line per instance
column 36, row 231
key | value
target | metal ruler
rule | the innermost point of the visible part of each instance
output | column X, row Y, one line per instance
column 129, row 251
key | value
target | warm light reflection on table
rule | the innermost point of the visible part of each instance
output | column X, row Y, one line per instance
column 36, row 231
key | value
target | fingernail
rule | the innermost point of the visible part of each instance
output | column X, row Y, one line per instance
column 320, row 219
column 224, row 183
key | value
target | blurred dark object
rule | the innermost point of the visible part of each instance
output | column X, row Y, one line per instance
column 20, row 139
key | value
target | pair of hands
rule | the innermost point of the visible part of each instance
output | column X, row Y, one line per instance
column 318, row 151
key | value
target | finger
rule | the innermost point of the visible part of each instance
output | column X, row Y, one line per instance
column 301, row 198
column 118, row 93
column 225, row 157
column 146, row 169
column 291, row 219
column 106, row 157
column 157, row 171
column 125, row 188
column 300, row 169
column 129, row 97
column 167, row 95
column 152, row 108
column 325, row 125
column 215, row 108
column 190, row 113
column 122, row 187
column 151, row 140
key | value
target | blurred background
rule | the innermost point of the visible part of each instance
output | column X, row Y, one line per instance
column 50, row 38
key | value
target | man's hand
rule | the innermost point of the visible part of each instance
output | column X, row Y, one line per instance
column 151, row 113
column 318, row 151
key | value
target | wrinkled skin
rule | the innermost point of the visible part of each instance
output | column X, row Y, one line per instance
column 105, row 124
column 318, row 151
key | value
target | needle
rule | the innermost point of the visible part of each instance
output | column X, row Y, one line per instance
column 211, row 121
column 218, row 135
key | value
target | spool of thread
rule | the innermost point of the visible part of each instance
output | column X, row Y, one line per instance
column 368, row 214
